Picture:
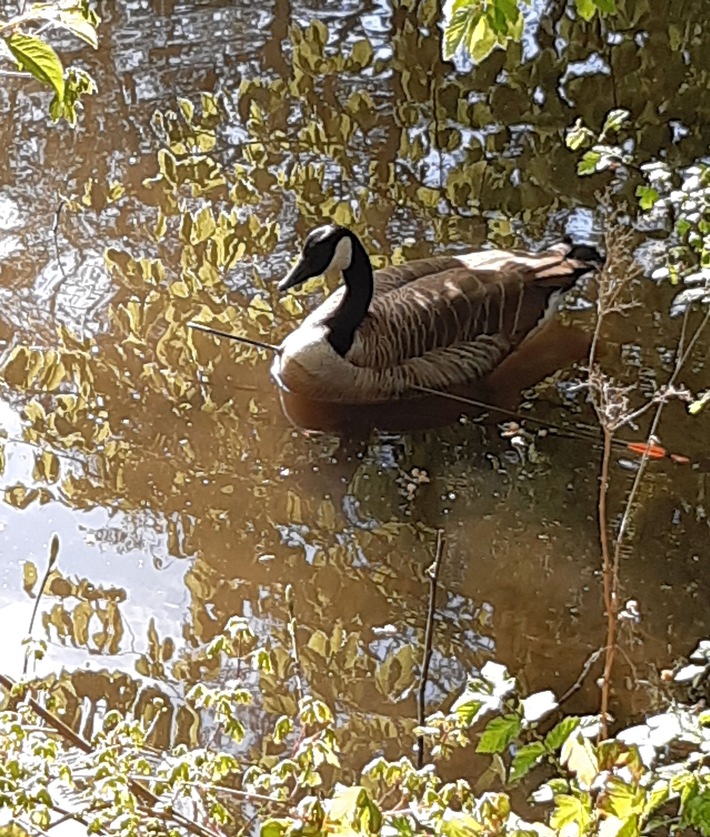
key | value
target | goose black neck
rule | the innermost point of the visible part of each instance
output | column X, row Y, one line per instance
column 359, row 287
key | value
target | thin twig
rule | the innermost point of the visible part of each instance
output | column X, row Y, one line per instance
column 611, row 567
column 242, row 794
column 680, row 362
column 612, row 413
column 584, row 432
column 610, row 576
column 586, row 668
column 433, row 573
column 53, row 553
column 257, row 344
column 294, row 643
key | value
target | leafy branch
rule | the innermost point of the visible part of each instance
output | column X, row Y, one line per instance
column 24, row 36
column 477, row 27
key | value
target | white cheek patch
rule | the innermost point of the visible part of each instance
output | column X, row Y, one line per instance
column 343, row 255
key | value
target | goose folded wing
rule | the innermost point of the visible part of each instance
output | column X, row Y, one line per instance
column 434, row 312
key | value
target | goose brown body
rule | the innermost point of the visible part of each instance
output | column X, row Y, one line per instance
column 439, row 322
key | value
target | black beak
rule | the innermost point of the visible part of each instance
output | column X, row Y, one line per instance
column 300, row 273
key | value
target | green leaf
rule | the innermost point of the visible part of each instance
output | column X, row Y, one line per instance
column 77, row 83
column 682, row 227
column 525, row 759
column 461, row 826
column 498, row 734
column 656, row 797
column 483, row 40
column 647, row 196
column 580, row 758
column 502, row 16
column 615, row 120
column 571, row 810
column 588, row 163
column 37, row 57
column 467, row 711
column 577, row 136
column 557, row 736
column 80, row 20
column 274, row 828
column 622, row 800
column 586, row 9
column 696, row 811
column 460, row 28
column 346, row 803
column 605, row 6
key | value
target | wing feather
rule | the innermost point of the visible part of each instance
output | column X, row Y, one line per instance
column 449, row 303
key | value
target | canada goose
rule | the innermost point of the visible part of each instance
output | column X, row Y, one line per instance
column 438, row 322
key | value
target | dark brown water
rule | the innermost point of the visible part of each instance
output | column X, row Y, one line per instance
column 183, row 496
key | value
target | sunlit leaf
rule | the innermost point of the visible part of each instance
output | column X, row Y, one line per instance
column 579, row 757
column 557, row 736
column 80, row 20
column 615, row 118
column 203, row 225
column 588, row 163
column 345, row 803
column 647, row 195
column 498, row 734
column 37, row 57
column 428, row 197
column 578, row 135
column 525, row 759
column 538, row 705
column 571, row 810
column 586, row 8
column 461, row 825
column 459, row 29
column 622, row 800
column 318, row 642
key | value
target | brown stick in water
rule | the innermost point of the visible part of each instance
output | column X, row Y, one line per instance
column 428, row 639
column 257, row 344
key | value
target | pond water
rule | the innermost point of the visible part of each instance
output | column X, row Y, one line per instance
column 182, row 495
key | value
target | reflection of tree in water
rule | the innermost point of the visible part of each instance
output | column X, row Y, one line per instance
column 395, row 144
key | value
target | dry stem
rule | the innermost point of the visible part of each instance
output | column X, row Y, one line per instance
column 428, row 639
column 612, row 409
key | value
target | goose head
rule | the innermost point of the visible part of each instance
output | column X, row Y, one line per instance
column 326, row 248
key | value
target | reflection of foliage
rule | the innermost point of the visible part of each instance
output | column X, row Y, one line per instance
column 85, row 615
column 645, row 780
column 478, row 26
column 677, row 202
column 25, row 38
